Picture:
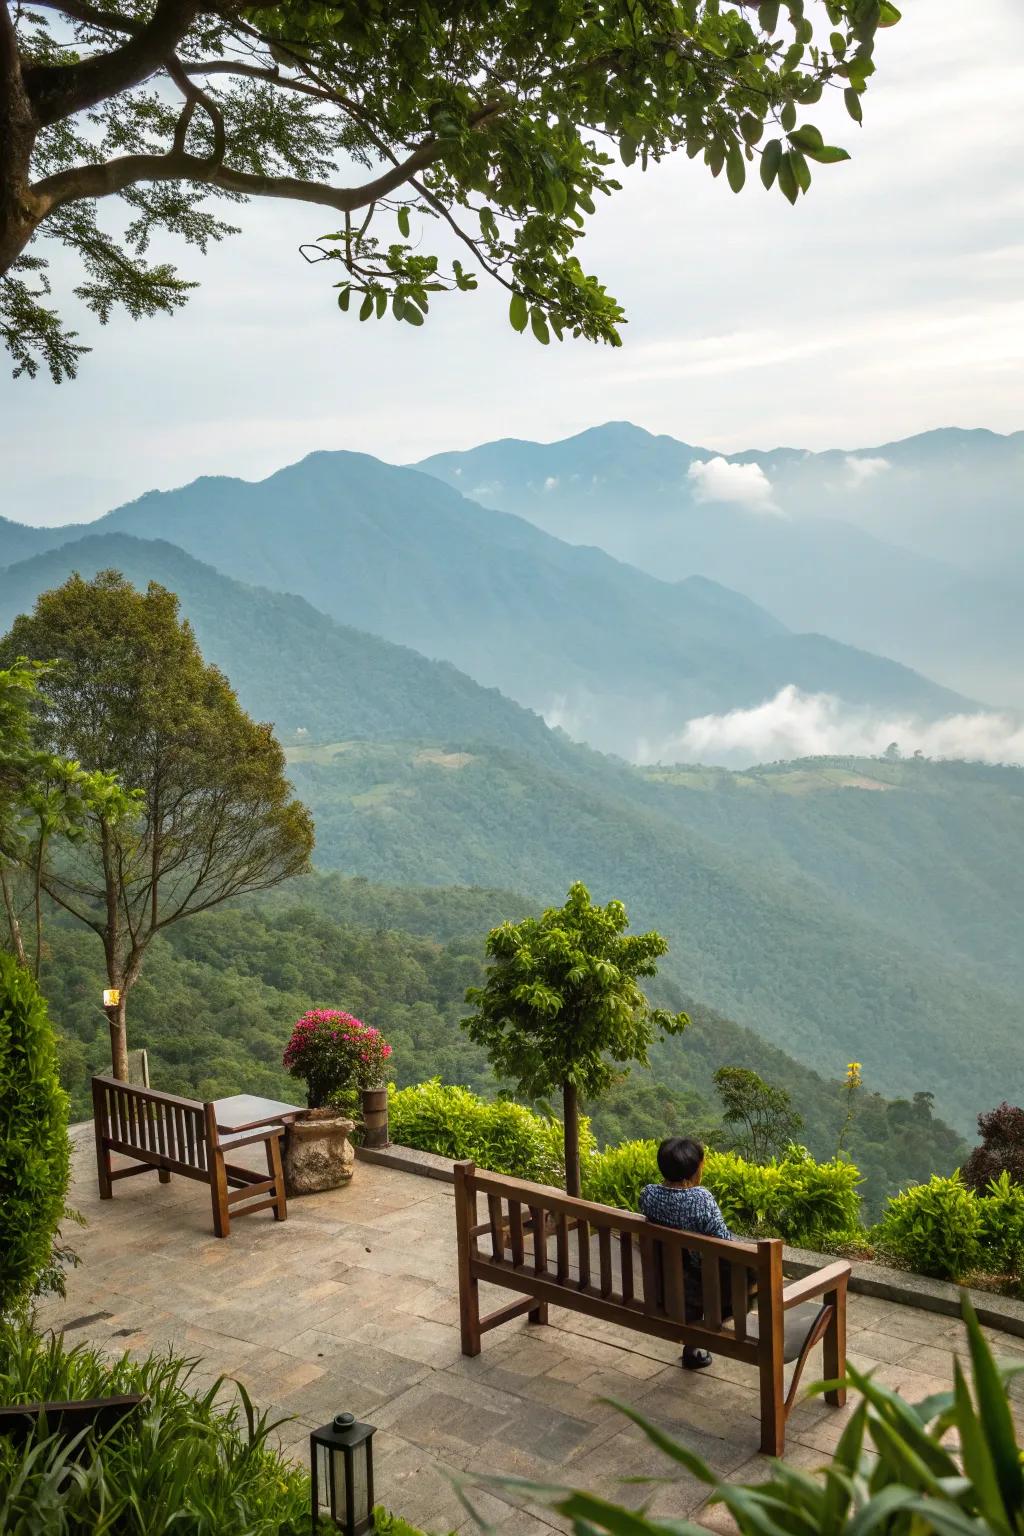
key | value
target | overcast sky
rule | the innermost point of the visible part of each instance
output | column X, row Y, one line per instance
column 891, row 300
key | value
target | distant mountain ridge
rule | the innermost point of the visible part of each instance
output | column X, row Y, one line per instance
column 619, row 657
column 913, row 549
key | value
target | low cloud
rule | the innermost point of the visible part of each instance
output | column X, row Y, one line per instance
column 859, row 471
column 551, row 483
column 487, row 489
column 798, row 724
column 744, row 485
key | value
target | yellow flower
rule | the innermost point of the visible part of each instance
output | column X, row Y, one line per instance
column 853, row 1074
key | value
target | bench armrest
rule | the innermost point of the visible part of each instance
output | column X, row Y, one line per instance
column 816, row 1284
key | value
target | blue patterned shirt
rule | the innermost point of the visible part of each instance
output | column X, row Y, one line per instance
column 691, row 1210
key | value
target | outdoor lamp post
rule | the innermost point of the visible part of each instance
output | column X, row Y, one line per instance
column 341, row 1472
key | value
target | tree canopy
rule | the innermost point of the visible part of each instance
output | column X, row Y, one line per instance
column 561, row 1009
column 214, row 816
column 491, row 127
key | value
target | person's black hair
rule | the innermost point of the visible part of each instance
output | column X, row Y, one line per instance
column 679, row 1157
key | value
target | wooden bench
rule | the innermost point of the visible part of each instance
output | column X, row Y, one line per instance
column 171, row 1135
column 613, row 1265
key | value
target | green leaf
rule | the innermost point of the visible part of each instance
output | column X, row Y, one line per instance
column 806, row 137
column 751, row 127
column 344, row 297
column 996, row 1418
column 853, row 104
column 403, row 221
column 735, row 170
column 539, row 326
column 518, row 313
column 788, row 185
column 787, row 117
column 627, row 149
column 771, row 158
column 801, row 170
column 412, row 315
column 888, row 15
column 828, row 154
column 366, row 307
column 768, row 16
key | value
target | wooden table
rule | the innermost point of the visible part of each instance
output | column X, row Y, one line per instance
column 247, row 1112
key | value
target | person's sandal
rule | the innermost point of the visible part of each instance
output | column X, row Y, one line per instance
column 696, row 1359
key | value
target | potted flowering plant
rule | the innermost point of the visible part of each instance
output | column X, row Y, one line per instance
column 338, row 1056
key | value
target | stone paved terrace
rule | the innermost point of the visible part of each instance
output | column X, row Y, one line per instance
column 352, row 1304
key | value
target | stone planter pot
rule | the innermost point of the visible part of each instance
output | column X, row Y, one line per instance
column 375, row 1117
column 317, row 1152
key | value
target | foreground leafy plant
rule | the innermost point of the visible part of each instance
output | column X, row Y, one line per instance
column 893, row 1471
column 34, row 1153
column 182, row 1463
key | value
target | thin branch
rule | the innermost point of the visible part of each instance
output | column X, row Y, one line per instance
column 91, row 15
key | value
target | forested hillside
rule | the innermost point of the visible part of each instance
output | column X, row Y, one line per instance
column 776, row 941
column 219, row 993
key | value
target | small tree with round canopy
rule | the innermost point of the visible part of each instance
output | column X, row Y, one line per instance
column 561, row 1009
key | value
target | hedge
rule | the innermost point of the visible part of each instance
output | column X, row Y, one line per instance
column 34, row 1151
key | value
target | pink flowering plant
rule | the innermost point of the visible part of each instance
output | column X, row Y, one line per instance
column 336, row 1054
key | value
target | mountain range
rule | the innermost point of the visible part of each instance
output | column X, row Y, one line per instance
column 913, row 548
column 619, row 657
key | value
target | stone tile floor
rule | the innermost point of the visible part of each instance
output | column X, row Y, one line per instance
column 352, row 1304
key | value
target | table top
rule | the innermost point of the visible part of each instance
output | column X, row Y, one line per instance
column 247, row 1111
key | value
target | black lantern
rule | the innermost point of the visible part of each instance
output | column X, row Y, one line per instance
column 341, row 1470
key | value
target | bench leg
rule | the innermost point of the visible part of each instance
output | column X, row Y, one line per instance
column 103, row 1168
column 219, row 1193
column 773, row 1407
column 835, row 1346
column 539, row 1314
column 276, row 1172
column 164, row 1175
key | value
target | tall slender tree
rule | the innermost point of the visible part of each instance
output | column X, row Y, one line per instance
column 214, row 815
column 561, row 1009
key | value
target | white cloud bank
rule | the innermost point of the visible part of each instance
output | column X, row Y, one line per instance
column 798, row 724
column 744, row 485
column 860, row 470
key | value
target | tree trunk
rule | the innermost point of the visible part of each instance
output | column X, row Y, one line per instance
column 17, row 941
column 118, row 1034
column 571, row 1122
column 19, row 211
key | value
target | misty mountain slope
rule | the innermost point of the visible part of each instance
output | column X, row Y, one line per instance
column 876, row 548
column 752, row 932
column 931, row 850
column 291, row 664
column 608, row 651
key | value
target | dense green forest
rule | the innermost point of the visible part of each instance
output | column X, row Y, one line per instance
column 844, row 923
column 218, row 996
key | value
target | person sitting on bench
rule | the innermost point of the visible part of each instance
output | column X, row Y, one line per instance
column 681, row 1201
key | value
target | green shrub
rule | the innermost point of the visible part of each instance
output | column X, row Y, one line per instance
column 618, row 1174
column 793, row 1197
column 896, row 1469
column 498, row 1134
column 179, row 1463
column 1001, row 1210
column 934, row 1228
column 34, row 1152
